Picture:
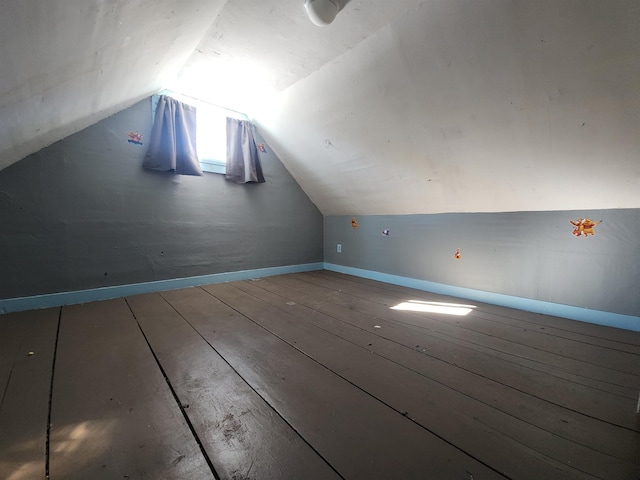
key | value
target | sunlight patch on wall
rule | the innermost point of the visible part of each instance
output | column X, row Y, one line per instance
column 237, row 84
column 434, row 307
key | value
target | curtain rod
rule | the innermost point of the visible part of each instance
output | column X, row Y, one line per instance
column 162, row 92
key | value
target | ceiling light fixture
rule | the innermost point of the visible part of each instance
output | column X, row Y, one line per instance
column 322, row 12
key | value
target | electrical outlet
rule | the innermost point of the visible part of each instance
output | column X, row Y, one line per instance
column 339, row 248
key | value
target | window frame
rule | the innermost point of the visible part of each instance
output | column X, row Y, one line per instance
column 208, row 165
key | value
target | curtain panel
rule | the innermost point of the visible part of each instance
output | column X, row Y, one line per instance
column 243, row 163
column 172, row 146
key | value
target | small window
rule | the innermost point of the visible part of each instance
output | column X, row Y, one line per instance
column 211, row 130
column 211, row 136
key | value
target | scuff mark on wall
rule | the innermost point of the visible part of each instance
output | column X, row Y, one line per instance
column 5, row 199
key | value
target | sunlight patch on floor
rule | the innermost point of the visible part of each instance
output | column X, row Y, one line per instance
column 434, row 307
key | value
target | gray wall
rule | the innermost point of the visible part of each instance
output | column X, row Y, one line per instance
column 83, row 213
column 524, row 254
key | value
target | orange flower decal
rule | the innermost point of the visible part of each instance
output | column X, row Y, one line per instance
column 583, row 226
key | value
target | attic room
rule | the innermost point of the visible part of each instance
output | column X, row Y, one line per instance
column 415, row 257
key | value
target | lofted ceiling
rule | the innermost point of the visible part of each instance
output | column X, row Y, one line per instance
column 397, row 107
column 66, row 64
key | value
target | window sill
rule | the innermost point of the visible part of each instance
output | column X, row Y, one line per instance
column 213, row 166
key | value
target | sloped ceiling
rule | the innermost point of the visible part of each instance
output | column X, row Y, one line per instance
column 65, row 64
column 398, row 107
column 469, row 106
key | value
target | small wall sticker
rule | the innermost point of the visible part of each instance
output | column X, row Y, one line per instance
column 354, row 223
column 457, row 255
column 583, row 227
column 386, row 232
column 262, row 148
column 135, row 138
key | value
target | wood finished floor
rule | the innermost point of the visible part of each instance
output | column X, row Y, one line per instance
column 313, row 376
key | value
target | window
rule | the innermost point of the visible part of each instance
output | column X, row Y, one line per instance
column 211, row 130
column 211, row 138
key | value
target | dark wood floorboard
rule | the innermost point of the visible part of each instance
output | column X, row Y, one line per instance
column 545, row 343
column 27, row 344
column 599, row 403
column 581, row 371
column 492, row 436
column 242, row 435
column 313, row 376
column 536, row 415
column 359, row 436
column 113, row 415
column 561, row 327
column 400, row 345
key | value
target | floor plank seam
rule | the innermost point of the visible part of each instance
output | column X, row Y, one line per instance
column 502, row 352
column 6, row 386
column 550, row 365
column 275, row 411
column 584, row 341
column 53, row 371
column 177, row 399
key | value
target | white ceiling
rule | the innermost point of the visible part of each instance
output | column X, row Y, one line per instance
column 65, row 64
column 403, row 106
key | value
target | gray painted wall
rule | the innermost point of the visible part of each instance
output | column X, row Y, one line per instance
column 524, row 254
column 83, row 213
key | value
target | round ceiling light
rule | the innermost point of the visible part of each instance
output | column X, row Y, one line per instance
column 321, row 12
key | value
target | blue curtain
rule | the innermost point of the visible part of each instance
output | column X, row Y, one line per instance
column 172, row 146
column 243, row 163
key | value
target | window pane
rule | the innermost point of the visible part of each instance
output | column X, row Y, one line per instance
column 211, row 134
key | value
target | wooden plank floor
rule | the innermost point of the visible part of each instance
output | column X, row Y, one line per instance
column 313, row 376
